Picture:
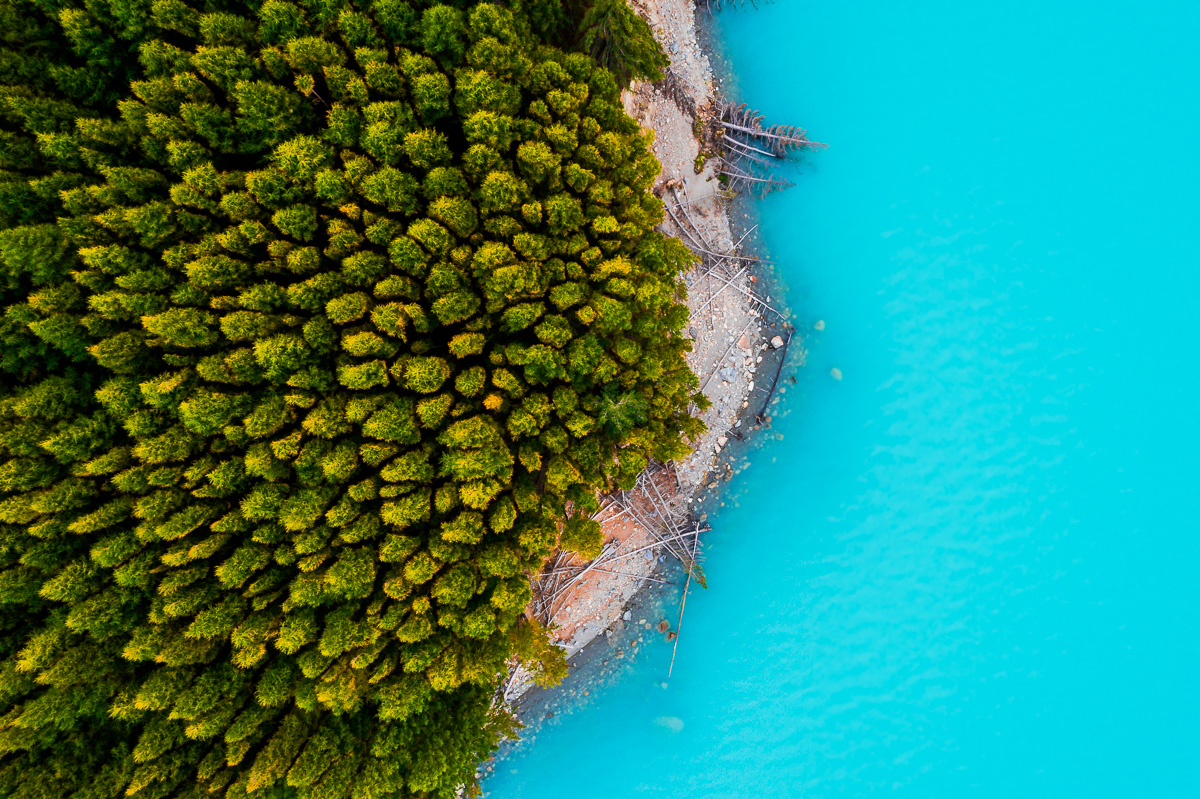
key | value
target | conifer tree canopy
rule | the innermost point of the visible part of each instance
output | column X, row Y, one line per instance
column 321, row 325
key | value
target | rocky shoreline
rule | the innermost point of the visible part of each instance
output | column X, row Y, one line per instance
column 736, row 347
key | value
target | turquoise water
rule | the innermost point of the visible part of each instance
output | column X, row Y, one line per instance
column 969, row 569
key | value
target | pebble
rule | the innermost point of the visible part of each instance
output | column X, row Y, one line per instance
column 819, row 324
column 777, row 342
column 835, row 373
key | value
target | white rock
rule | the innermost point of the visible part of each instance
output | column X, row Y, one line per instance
column 835, row 373
column 777, row 342
column 722, row 441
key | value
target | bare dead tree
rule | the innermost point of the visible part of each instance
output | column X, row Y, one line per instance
column 713, row 6
column 759, row 184
column 745, row 122
column 667, row 519
column 750, row 151
column 672, row 88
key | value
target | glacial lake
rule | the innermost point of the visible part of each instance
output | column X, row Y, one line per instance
column 969, row 568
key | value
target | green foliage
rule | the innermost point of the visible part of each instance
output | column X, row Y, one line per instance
column 320, row 322
column 622, row 42
column 546, row 662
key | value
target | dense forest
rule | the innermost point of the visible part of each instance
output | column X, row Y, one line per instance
column 322, row 323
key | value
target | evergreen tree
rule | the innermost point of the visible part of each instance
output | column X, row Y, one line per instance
column 621, row 41
column 323, row 323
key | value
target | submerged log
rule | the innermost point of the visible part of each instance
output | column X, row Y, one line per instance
column 764, row 184
column 761, row 416
column 745, row 146
column 713, row 6
column 683, row 604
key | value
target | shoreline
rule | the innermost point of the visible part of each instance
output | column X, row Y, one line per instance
column 732, row 356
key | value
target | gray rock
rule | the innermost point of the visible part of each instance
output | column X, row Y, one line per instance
column 627, row 615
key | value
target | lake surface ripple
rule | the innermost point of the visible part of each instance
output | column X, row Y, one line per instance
column 968, row 569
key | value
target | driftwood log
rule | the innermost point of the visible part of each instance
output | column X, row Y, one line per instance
column 750, row 151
